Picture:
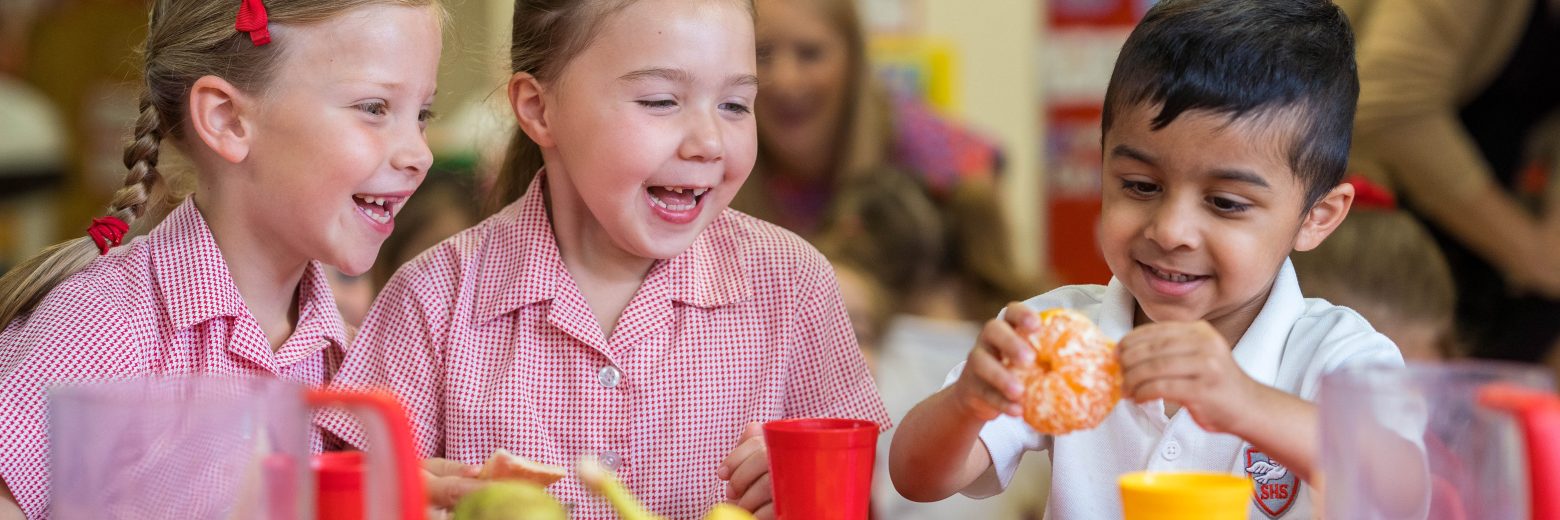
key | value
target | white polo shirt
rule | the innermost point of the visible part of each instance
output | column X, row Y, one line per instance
column 1290, row 345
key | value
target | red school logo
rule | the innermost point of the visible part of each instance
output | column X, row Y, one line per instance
column 1275, row 489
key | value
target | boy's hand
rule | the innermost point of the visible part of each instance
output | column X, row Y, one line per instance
column 989, row 386
column 1188, row 363
column 746, row 472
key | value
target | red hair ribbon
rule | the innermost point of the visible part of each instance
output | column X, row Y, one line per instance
column 107, row 232
column 252, row 20
column 1370, row 195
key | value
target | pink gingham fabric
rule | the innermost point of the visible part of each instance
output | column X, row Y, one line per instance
column 490, row 345
column 162, row 305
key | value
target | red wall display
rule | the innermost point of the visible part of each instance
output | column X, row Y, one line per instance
column 1080, row 43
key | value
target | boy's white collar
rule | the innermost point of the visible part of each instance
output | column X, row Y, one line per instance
column 1260, row 348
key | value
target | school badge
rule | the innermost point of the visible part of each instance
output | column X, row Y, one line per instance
column 1275, row 488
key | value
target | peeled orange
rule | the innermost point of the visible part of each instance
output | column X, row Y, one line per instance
column 1075, row 380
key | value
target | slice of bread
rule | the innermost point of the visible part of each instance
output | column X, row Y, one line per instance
column 506, row 466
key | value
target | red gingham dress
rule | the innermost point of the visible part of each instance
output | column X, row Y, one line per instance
column 490, row 345
column 162, row 305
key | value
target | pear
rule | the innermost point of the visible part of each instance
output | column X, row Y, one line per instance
column 510, row 500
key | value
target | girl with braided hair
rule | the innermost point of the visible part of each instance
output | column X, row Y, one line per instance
column 303, row 121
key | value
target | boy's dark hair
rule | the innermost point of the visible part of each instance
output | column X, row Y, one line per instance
column 1248, row 58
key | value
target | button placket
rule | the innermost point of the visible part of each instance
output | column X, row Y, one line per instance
column 611, row 460
column 1171, row 450
column 610, row 376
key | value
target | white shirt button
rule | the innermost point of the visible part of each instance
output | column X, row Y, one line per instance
column 610, row 376
column 611, row 460
column 1171, row 450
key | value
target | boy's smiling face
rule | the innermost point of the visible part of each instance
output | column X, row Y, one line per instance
column 1198, row 216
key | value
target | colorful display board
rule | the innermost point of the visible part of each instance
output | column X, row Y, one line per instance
column 1079, row 43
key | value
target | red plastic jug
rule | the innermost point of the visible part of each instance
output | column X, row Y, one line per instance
column 1539, row 416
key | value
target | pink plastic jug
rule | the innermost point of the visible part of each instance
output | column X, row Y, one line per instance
column 1432, row 441
column 219, row 448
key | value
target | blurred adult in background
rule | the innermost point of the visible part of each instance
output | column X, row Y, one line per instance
column 824, row 125
column 825, row 122
column 903, row 202
column 1454, row 96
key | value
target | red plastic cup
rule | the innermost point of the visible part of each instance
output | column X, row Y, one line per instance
column 821, row 469
column 339, row 478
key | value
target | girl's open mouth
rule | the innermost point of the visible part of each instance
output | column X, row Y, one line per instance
column 378, row 208
column 676, row 204
column 676, row 198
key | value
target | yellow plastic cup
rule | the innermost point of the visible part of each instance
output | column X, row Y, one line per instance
column 1184, row 496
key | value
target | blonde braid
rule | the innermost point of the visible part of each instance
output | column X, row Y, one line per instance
column 131, row 201
column 24, row 286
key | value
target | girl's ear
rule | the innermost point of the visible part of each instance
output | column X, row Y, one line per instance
column 1324, row 217
column 219, row 116
column 530, row 106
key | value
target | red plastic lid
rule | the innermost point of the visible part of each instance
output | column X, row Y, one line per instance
column 821, row 433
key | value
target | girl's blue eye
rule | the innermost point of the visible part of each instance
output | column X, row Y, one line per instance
column 1228, row 206
column 737, row 108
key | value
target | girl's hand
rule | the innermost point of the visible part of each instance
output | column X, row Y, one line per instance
column 746, row 472
column 446, row 482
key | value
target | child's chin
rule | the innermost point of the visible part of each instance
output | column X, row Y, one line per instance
column 354, row 264
column 668, row 247
column 1167, row 312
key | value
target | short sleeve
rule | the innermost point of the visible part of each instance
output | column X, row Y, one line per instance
column 829, row 376
column 400, row 349
column 74, row 336
column 1007, row 439
column 1347, row 341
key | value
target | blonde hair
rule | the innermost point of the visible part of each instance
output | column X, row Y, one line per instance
column 186, row 40
column 866, row 132
column 546, row 34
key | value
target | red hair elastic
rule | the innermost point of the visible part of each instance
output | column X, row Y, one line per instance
column 107, row 232
column 252, row 19
column 1371, row 195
